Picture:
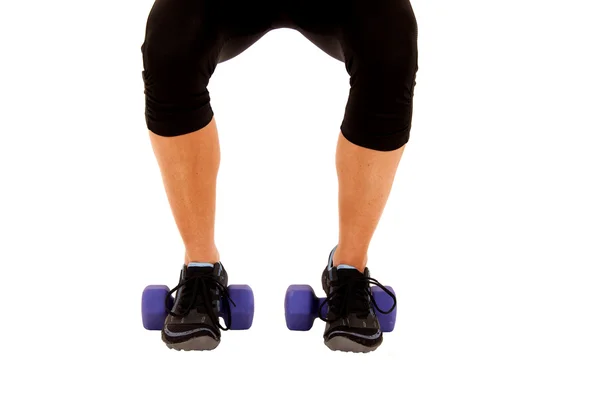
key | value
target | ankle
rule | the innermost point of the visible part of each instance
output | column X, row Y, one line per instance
column 209, row 255
column 350, row 256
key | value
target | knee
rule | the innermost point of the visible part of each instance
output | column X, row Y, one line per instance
column 382, row 78
column 177, row 101
column 380, row 106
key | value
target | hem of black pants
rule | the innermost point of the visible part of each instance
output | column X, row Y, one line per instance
column 181, row 125
column 383, row 143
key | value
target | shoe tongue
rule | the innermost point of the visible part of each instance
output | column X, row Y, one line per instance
column 196, row 269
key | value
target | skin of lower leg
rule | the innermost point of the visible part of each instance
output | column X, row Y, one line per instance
column 365, row 179
column 189, row 165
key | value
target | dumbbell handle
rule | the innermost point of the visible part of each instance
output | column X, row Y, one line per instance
column 318, row 302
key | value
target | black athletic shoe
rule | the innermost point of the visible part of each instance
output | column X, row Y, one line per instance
column 352, row 324
column 193, row 322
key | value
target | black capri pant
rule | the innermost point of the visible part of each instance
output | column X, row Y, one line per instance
column 376, row 39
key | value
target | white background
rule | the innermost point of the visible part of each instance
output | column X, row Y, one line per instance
column 491, row 236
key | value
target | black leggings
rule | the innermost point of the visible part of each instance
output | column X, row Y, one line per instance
column 376, row 39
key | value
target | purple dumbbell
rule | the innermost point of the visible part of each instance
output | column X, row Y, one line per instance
column 302, row 307
column 154, row 311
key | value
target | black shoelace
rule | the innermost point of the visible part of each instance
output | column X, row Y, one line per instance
column 196, row 293
column 353, row 295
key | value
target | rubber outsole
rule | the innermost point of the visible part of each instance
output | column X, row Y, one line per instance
column 344, row 344
column 204, row 343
